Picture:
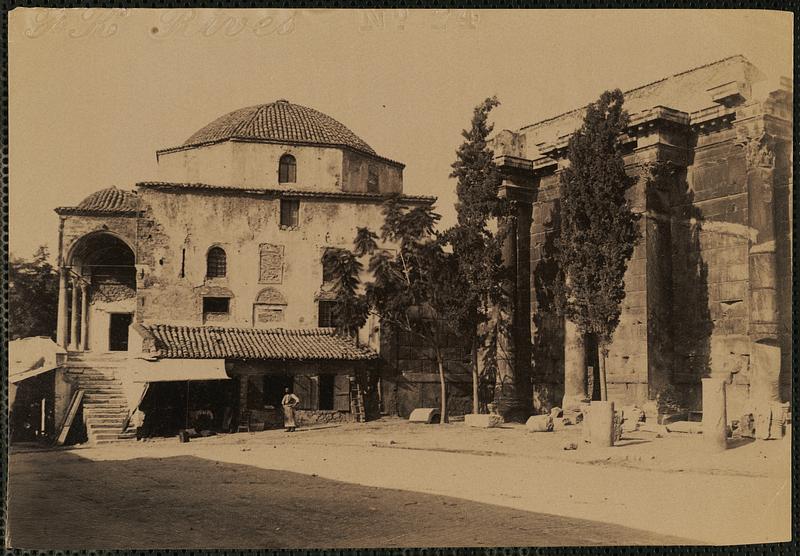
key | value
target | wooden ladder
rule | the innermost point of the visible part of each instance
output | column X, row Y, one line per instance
column 357, row 401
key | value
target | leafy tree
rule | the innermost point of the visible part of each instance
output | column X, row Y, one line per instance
column 476, row 246
column 32, row 296
column 414, row 287
column 598, row 228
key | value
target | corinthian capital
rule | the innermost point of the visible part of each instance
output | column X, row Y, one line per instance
column 759, row 148
column 658, row 173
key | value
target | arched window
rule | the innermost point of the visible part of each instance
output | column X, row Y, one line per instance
column 287, row 169
column 216, row 263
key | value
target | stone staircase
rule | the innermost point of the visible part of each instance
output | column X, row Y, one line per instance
column 105, row 407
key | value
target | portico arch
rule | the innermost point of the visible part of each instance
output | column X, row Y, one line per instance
column 97, row 293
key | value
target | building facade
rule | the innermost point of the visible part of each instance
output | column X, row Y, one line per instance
column 215, row 271
column 708, row 290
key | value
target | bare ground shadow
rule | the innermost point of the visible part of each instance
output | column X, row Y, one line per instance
column 63, row 501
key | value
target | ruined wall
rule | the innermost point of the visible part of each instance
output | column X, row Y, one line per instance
column 180, row 226
column 688, row 311
column 410, row 376
column 710, row 278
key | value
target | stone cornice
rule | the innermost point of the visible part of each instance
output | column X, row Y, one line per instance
column 286, row 193
column 76, row 211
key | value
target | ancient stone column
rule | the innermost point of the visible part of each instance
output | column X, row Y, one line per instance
column 765, row 352
column 73, row 325
column 574, row 368
column 61, row 326
column 505, row 392
column 84, row 315
column 715, row 420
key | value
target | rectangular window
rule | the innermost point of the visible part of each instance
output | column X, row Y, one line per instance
column 326, row 317
column 219, row 305
column 373, row 183
column 290, row 213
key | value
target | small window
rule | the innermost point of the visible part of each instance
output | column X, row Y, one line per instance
column 326, row 317
column 218, row 305
column 373, row 183
column 287, row 169
column 290, row 213
column 216, row 263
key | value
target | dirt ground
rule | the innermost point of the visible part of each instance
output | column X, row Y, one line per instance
column 392, row 483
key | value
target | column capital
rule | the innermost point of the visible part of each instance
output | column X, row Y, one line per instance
column 758, row 145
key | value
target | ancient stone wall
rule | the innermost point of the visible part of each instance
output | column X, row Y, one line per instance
column 410, row 376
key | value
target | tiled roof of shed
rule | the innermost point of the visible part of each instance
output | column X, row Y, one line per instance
column 279, row 121
column 109, row 200
column 216, row 342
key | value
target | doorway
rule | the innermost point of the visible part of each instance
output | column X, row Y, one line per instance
column 326, row 391
column 118, row 331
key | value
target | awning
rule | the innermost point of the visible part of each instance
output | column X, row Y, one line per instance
column 166, row 370
column 31, row 357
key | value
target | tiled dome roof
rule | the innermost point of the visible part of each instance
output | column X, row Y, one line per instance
column 280, row 121
column 110, row 200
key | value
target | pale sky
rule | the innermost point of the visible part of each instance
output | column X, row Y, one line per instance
column 93, row 94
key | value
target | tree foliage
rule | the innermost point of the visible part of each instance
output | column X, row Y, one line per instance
column 598, row 229
column 414, row 286
column 32, row 296
column 475, row 242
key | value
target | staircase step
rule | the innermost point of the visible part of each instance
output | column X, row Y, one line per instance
column 97, row 438
column 106, row 421
column 104, row 427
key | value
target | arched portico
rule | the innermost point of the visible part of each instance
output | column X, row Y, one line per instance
column 97, row 293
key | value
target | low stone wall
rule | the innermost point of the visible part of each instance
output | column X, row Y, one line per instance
column 320, row 416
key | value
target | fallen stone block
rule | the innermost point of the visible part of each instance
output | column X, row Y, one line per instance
column 648, row 426
column 691, row 427
column 556, row 412
column 425, row 415
column 569, row 446
column 559, row 423
column 576, row 416
column 539, row 423
column 483, row 420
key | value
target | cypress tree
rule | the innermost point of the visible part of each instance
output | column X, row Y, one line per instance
column 598, row 228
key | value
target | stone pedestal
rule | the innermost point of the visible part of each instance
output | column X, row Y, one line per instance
column 601, row 424
column 715, row 421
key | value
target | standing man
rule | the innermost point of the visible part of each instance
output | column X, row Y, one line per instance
column 288, row 403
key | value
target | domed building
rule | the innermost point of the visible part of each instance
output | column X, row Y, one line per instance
column 214, row 273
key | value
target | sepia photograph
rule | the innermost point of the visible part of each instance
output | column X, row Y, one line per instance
column 386, row 278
